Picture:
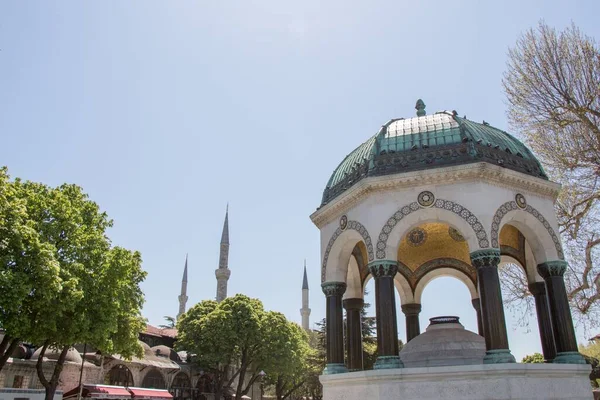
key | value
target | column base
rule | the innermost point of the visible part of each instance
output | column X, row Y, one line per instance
column 498, row 356
column 331, row 369
column 569, row 357
column 387, row 362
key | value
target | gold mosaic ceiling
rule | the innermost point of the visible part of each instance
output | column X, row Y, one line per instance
column 432, row 241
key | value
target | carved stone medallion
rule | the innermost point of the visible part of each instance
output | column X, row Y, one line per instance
column 343, row 222
column 426, row 199
column 520, row 200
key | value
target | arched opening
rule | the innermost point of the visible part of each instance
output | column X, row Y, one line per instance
column 447, row 295
column 181, row 386
column 154, row 380
column 205, row 386
column 517, row 272
column 369, row 322
column 119, row 375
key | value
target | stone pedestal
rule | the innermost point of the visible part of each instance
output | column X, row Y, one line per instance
column 465, row 382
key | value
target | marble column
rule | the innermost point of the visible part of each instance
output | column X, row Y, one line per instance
column 492, row 311
column 383, row 272
column 335, row 325
column 354, row 333
column 560, row 313
column 477, row 306
column 411, row 312
column 538, row 290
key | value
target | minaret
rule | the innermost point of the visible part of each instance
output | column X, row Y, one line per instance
column 305, row 311
column 222, row 273
column 183, row 296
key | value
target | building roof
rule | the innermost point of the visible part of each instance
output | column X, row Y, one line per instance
column 430, row 141
column 155, row 331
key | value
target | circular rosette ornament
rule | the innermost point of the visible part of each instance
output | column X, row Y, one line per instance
column 520, row 200
column 426, row 199
column 343, row 222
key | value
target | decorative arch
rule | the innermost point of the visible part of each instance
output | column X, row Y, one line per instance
column 402, row 282
column 354, row 289
column 154, row 380
column 119, row 375
column 512, row 206
column 448, row 205
column 445, row 267
column 206, row 384
column 351, row 225
column 181, row 386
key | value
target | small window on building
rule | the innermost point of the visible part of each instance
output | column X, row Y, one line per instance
column 17, row 382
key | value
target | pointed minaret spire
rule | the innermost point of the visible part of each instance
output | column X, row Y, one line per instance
column 305, row 311
column 222, row 273
column 225, row 233
column 305, row 280
column 183, row 296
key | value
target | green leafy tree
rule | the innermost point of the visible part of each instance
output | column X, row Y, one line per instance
column 288, row 353
column 97, row 299
column 237, row 339
column 317, row 360
column 535, row 358
column 29, row 271
column 551, row 84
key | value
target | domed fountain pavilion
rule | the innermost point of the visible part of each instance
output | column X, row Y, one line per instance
column 440, row 195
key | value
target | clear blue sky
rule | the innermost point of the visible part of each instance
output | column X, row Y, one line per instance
column 164, row 111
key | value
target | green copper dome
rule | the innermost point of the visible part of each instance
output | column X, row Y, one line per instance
column 430, row 141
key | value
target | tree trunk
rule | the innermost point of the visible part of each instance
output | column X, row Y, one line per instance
column 51, row 385
column 7, row 347
column 292, row 390
column 279, row 388
column 240, row 386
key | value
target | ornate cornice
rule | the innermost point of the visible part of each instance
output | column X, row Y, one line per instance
column 552, row 268
column 333, row 288
column 381, row 268
column 485, row 258
column 492, row 174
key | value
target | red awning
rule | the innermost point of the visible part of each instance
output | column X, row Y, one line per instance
column 99, row 392
column 151, row 394
column 108, row 392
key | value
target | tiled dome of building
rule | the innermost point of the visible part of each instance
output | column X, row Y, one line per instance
column 167, row 352
column 53, row 354
column 429, row 141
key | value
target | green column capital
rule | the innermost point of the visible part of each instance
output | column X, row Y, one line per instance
column 485, row 258
column 552, row 268
column 333, row 288
column 382, row 268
